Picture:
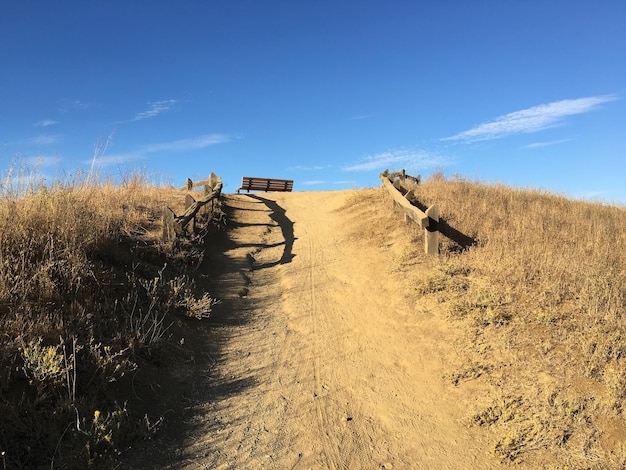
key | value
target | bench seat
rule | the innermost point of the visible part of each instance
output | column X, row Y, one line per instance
column 265, row 184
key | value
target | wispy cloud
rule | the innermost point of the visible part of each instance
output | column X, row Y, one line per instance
column 144, row 151
column 115, row 159
column 545, row 144
column 313, row 182
column 42, row 140
column 361, row 116
column 155, row 108
column 42, row 161
column 46, row 123
column 394, row 159
column 66, row 105
column 309, row 168
column 532, row 119
column 186, row 144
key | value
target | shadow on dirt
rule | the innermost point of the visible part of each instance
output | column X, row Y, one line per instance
column 187, row 383
column 279, row 216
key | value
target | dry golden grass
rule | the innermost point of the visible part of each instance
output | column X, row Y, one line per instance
column 87, row 292
column 543, row 293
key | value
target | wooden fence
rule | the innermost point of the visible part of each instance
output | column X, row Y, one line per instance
column 398, row 185
column 174, row 225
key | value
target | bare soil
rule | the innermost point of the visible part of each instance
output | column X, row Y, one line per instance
column 318, row 356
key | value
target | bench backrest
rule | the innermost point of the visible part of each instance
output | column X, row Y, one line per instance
column 265, row 184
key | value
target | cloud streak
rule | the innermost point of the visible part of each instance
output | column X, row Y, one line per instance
column 144, row 151
column 532, row 119
column 186, row 144
column 154, row 109
column 309, row 168
column 397, row 158
column 46, row 123
column 68, row 105
column 361, row 116
column 536, row 145
column 41, row 140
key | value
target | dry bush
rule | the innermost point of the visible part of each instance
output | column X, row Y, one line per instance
column 87, row 291
column 543, row 290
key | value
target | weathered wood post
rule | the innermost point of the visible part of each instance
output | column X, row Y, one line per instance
column 431, row 233
column 169, row 231
column 174, row 225
column 189, row 200
column 213, row 182
column 426, row 220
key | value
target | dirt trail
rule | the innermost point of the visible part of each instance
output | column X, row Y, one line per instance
column 334, row 366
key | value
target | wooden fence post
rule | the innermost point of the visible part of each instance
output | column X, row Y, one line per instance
column 169, row 231
column 431, row 233
column 189, row 200
column 428, row 220
column 174, row 225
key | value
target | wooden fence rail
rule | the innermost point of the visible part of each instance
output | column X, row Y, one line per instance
column 396, row 184
column 174, row 225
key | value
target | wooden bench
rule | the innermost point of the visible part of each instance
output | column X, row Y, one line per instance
column 265, row 184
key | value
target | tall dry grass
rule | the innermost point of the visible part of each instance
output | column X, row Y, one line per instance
column 543, row 295
column 87, row 289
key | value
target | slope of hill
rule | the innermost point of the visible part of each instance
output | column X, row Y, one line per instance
column 358, row 350
column 337, row 343
column 89, row 296
column 326, row 360
column 542, row 295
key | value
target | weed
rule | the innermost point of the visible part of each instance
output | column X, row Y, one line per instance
column 44, row 365
column 447, row 277
column 469, row 371
column 544, row 288
column 86, row 289
column 483, row 306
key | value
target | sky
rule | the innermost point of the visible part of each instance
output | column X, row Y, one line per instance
column 528, row 93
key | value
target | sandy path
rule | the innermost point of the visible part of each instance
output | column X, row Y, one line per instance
column 334, row 367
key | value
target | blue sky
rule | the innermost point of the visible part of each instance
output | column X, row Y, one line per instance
column 328, row 93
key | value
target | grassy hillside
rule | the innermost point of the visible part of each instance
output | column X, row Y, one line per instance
column 540, row 283
column 87, row 294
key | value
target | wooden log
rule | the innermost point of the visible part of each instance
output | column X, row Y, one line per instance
column 212, row 183
column 169, row 230
column 428, row 220
column 194, row 184
column 214, row 180
column 193, row 209
column 175, row 225
column 431, row 234
column 189, row 200
column 399, row 200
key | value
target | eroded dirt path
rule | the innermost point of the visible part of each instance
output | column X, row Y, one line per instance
column 334, row 365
